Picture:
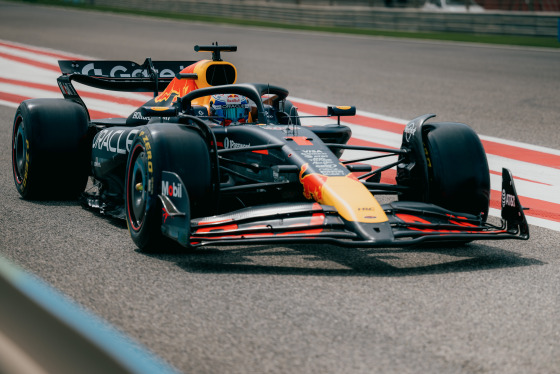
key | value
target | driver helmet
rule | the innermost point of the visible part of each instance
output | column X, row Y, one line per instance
column 230, row 108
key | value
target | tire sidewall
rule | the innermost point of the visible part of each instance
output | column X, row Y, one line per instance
column 145, row 231
column 21, row 179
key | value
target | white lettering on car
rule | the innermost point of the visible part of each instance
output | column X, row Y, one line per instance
column 109, row 141
column 228, row 143
column 508, row 200
column 172, row 190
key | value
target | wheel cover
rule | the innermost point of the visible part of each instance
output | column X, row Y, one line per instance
column 19, row 154
column 137, row 190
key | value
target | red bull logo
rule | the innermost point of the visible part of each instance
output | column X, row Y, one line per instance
column 233, row 99
column 347, row 194
column 205, row 71
column 312, row 184
column 178, row 87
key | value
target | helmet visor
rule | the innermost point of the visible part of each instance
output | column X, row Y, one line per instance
column 232, row 113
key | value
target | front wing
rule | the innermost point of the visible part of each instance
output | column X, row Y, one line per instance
column 409, row 223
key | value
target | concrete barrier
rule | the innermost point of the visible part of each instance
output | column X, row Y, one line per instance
column 41, row 331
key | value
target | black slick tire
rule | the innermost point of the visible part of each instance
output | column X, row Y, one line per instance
column 157, row 148
column 50, row 153
column 458, row 173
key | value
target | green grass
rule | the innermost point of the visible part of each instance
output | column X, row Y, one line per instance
column 531, row 41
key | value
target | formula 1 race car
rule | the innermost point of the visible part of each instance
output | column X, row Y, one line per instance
column 210, row 162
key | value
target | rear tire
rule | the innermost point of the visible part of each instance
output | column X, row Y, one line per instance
column 50, row 152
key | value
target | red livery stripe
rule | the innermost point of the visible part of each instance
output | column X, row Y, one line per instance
column 37, row 51
column 27, row 61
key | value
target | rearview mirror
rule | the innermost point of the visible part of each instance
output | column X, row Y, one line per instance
column 341, row 111
column 159, row 111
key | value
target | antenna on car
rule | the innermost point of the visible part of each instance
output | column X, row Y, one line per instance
column 215, row 49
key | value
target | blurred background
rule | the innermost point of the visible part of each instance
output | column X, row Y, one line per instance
column 497, row 17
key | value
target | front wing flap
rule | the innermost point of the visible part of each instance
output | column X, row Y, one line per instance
column 409, row 223
column 271, row 223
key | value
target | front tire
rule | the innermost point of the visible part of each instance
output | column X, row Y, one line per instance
column 175, row 149
column 458, row 173
column 143, row 207
column 446, row 166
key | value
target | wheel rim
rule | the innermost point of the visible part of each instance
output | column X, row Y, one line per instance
column 137, row 191
column 19, row 152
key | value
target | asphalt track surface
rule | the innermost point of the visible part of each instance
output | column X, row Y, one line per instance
column 484, row 307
